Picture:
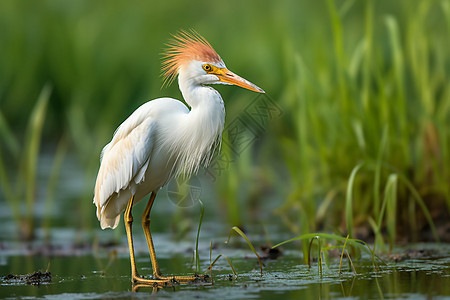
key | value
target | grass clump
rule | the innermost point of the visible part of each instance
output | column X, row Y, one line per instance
column 367, row 123
column 357, row 246
column 20, row 194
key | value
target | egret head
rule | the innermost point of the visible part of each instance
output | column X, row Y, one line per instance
column 192, row 56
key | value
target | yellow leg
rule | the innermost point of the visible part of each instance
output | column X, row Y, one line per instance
column 148, row 236
column 128, row 218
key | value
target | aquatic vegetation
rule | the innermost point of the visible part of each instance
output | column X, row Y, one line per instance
column 242, row 234
column 365, row 133
column 21, row 192
column 356, row 245
column 353, row 83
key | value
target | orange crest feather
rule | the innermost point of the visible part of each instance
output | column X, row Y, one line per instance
column 184, row 47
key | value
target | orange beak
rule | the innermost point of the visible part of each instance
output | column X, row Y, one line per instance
column 229, row 77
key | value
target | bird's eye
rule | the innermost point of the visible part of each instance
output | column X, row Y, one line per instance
column 207, row 67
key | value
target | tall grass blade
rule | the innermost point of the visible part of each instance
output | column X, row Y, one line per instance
column 349, row 199
column 379, row 239
column 309, row 250
column 336, row 25
column 342, row 254
column 31, row 152
column 368, row 57
column 389, row 205
column 377, row 179
column 398, row 70
column 7, row 136
column 319, row 255
column 197, row 258
column 415, row 194
column 242, row 234
column 390, row 195
column 351, row 262
column 229, row 262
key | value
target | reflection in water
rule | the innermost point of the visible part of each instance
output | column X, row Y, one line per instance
column 155, row 287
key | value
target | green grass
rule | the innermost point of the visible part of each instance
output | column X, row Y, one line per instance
column 244, row 236
column 343, row 243
column 23, row 190
column 371, row 108
column 363, row 85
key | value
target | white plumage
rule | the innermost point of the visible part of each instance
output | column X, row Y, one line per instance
column 160, row 139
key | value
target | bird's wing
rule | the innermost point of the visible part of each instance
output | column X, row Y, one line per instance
column 125, row 159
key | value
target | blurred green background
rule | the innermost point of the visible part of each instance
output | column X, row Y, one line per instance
column 359, row 143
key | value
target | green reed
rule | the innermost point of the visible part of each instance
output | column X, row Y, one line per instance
column 23, row 189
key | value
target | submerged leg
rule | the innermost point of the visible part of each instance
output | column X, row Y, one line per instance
column 148, row 236
column 128, row 218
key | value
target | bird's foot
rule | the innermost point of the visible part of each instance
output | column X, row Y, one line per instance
column 183, row 279
column 139, row 281
column 168, row 281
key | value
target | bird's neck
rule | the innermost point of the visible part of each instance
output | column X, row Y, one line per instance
column 202, row 128
column 206, row 104
column 196, row 94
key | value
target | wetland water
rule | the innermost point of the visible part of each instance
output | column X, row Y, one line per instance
column 83, row 273
column 82, row 269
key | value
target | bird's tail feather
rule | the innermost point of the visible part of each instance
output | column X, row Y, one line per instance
column 109, row 215
column 109, row 223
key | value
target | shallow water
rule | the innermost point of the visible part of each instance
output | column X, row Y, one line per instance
column 105, row 273
column 82, row 269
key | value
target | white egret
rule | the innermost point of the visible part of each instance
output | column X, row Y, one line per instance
column 162, row 139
